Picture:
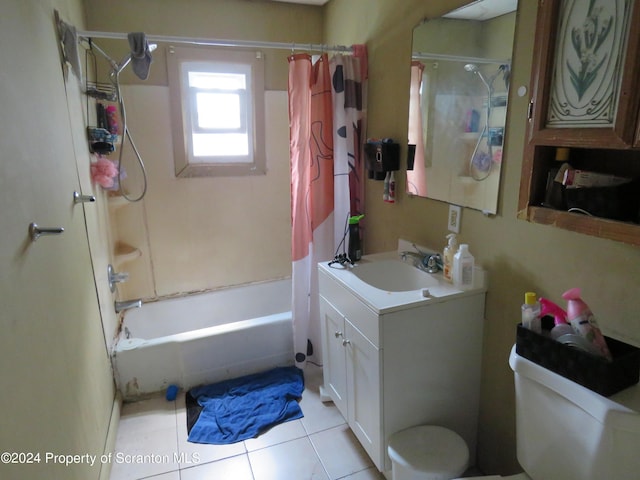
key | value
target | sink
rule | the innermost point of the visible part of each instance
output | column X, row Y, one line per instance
column 393, row 276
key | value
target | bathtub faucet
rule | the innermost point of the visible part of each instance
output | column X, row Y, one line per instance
column 122, row 306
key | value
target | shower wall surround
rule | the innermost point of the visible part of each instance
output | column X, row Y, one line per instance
column 203, row 233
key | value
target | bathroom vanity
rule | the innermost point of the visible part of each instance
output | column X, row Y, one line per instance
column 403, row 355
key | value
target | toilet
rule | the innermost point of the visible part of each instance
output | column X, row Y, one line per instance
column 427, row 452
column 564, row 431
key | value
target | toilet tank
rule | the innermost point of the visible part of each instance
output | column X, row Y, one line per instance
column 568, row 432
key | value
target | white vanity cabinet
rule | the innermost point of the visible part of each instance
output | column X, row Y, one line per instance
column 392, row 367
column 352, row 376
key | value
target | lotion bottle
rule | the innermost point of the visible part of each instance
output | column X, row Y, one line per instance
column 531, row 313
column 447, row 257
column 463, row 265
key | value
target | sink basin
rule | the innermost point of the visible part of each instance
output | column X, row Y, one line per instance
column 393, row 276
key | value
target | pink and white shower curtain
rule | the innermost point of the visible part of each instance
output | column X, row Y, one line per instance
column 327, row 112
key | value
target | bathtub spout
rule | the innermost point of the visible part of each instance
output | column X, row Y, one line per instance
column 122, row 306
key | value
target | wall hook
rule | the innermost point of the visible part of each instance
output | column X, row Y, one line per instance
column 79, row 198
column 35, row 232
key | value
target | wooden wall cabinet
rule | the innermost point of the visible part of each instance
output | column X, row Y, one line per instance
column 585, row 95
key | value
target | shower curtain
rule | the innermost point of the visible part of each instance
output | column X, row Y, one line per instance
column 327, row 114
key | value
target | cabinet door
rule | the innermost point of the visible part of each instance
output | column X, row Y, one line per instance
column 364, row 392
column 584, row 80
column 334, row 355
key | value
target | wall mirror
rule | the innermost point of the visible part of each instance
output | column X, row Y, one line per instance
column 460, row 70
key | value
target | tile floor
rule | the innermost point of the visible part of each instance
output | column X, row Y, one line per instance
column 152, row 443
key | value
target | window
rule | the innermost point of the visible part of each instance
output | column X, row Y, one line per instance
column 217, row 100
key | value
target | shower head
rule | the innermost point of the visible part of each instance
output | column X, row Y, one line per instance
column 116, row 68
column 473, row 68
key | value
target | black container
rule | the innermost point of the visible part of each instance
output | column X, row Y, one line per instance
column 382, row 157
column 355, row 248
column 586, row 369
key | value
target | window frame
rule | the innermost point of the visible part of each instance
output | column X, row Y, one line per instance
column 184, row 117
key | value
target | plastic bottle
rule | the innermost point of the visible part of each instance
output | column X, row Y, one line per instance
column 584, row 323
column 447, row 257
column 547, row 307
column 355, row 249
column 112, row 119
column 531, row 312
column 463, row 265
column 385, row 191
column 392, row 188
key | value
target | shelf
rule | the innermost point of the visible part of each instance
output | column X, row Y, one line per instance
column 600, row 227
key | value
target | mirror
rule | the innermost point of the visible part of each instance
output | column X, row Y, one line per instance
column 460, row 71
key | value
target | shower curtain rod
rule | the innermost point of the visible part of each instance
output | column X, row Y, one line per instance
column 221, row 42
column 456, row 58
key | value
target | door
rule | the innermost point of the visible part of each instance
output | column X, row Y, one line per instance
column 53, row 359
column 334, row 355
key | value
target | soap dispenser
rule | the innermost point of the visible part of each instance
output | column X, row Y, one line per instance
column 447, row 254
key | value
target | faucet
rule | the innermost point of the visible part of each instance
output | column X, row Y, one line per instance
column 115, row 277
column 126, row 305
column 427, row 262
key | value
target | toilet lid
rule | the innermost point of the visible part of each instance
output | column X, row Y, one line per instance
column 430, row 449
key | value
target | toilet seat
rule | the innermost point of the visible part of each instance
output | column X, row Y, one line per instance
column 428, row 452
column 518, row 476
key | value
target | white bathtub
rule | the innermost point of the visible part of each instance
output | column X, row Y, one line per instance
column 204, row 338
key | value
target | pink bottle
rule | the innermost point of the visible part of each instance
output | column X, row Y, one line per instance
column 583, row 321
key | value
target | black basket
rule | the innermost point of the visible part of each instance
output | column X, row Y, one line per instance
column 586, row 369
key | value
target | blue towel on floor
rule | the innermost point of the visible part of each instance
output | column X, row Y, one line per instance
column 241, row 408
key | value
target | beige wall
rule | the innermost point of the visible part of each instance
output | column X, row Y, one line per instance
column 518, row 256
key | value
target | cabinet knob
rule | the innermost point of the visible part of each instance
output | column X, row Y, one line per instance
column 337, row 334
column 346, row 342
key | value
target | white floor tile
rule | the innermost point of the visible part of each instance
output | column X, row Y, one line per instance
column 340, row 452
column 234, row 468
column 146, row 443
column 280, row 433
column 286, row 461
column 152, row 443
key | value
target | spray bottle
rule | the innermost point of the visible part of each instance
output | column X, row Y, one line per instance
column 584, row 323
column 447, row 255
column 355, row 248
column 547, row 307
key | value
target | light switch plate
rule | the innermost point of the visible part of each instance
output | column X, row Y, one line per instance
column 454, row 219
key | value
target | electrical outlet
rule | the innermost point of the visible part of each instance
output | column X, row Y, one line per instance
column 454, row 219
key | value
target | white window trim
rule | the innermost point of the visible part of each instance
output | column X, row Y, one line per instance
column 180, row 111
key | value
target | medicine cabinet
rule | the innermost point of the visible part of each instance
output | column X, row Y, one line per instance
column 585, row 110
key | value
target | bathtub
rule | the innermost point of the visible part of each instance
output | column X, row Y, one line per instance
column 204, row 338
